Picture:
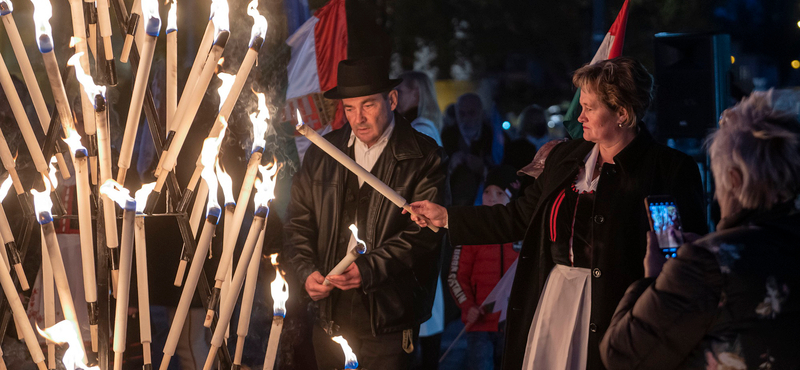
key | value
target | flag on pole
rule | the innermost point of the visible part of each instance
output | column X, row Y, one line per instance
column 611, row 47
column 497, row 300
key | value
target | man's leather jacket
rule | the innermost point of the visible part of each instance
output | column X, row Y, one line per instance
column 400, row 268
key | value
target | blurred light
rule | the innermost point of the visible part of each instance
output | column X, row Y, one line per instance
column 551, row 124
column 733, row 60
column 506, row 125
column 796, row 64
column 553, row 109
column 798, row 24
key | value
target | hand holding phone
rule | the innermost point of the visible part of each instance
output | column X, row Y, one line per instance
column 665, row 221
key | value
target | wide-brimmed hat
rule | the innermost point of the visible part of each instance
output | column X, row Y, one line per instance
column 362, row 77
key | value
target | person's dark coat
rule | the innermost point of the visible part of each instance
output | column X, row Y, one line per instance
column 619, row 229
column 727, row 301
column 464, row 182
column 400, row 269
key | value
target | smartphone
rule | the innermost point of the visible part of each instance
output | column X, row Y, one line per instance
column 665, row 221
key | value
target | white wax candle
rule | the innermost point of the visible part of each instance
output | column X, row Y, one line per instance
column 228, row 302
column 199, row 59
column 83, row 190
column 274, row 340
column 135, row 109
column 49, row 299
column 247, row 297
column 348, row 259
column 189, row 286
column 22, row 119
column 143, row 286
column 59, row 93
column 104, row 157
column 21, row 317
column 124, row 283
column 172, row 78
column 79, row 31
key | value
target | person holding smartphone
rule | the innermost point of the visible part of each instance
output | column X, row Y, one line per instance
column 728, row 300
column 581, row 223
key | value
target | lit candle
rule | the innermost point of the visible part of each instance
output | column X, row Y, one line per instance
column 21, row 318
column 121, row 196
column 280, row 294
column 355, row 168
column 67, row 332
column 79, row 34
column 262, row 199
column 43, row 204
column 213, row 213
column 8, row 238
column 351, row 256
column 229, row 231
column 350, row 360
column 29, row 77
column 152, row 28
column 83, row 190
column 141, row 274
column 49, row 299
column 259, row 121
column 191, row 99
column 246, row 308
column 172, row 64
column 97, row 95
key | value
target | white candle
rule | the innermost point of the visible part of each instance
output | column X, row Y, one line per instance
column 172, row 65
column 10, row 164
column 272, row 345
column 246, row 308
column 91, row 24
column 49, row 299
column 21, row 318
column 141, row 274
column 104, row 24
column 152, row 28
column 354, row 167
column 79, row 31
column 22, row 119
column 350, row 257
column 229, row 300
column 280, row 294
column 8, row 241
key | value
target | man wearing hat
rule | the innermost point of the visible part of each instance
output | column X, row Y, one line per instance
column 378, row 303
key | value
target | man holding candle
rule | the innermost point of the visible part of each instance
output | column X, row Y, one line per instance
column 379, row 301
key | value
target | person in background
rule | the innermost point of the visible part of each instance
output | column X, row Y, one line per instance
column 417, row 103
column 532, row 136
column 727, row 301
column 475, row 270
column 582, row 223
column 469, row 146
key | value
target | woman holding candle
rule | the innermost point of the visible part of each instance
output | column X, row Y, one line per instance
column 582, row 222
column 381, row 299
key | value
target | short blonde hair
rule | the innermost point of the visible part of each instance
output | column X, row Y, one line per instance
column 621, row 82
column 764, row 145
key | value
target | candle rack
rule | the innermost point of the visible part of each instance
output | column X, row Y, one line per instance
column 177, row 207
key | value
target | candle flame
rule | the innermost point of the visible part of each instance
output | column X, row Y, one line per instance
column 74, row 41
column 259, row 121
column 116, row 192
column 172, row 17
column 65, row 332
column 259, row 23
column 141, row 196
column 5, row 186
column 361, row 247
column 219, row 15
column 350, row 360
column 86, row 80
column 225, row 182
column 265, row 187
column 208, row 156
column 42, row 203
column 299, row 118
column 52, row 173
column 73, row 140
column 8, row 5
column 152, row 20
column 42, row 13
column 279, row 289
column 225, row 88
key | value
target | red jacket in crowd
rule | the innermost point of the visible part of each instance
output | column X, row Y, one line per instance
column 474, row 271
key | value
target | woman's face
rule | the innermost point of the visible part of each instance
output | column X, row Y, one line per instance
column 600, row 123
column 493, row 195
column 408, row 97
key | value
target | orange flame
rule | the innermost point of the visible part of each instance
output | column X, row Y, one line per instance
column 279, row 289
column 64, row 332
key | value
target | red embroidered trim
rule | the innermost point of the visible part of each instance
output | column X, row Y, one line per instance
column 554, row 214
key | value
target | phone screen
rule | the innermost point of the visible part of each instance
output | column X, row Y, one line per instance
column 667, row 225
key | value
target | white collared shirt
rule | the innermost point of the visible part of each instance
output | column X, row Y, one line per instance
column 367, row 156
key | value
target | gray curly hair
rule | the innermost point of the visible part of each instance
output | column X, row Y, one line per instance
column 761, row 142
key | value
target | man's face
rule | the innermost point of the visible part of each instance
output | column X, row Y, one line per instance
column 369, row 116
column 469, row 112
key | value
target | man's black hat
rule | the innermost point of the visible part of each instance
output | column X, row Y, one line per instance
column 362, row 77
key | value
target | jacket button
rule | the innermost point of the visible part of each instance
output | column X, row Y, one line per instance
column 596, row 272
column 593, row 328
column 599, row 219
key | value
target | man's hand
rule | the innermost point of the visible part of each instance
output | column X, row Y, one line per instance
column 474, row 314
column 315, row 288
column 349, row 279
column 434, row 212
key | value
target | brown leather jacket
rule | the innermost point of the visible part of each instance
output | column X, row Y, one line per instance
column 400, row 268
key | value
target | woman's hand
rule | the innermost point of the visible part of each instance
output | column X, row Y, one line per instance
column 653, row 260
column 435, row 213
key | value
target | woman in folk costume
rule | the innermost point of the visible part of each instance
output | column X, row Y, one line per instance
column 583, row 222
